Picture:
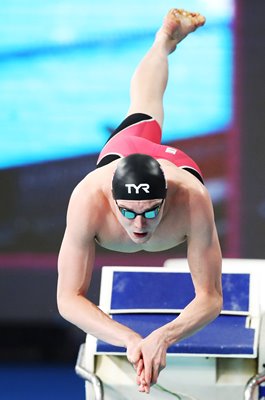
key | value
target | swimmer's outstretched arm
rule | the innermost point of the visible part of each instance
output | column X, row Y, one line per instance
column 75, row 265
column 204, row 257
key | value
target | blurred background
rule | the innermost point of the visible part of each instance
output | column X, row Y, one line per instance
column 65, row 69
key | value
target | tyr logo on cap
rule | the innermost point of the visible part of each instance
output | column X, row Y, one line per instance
column 143, row 186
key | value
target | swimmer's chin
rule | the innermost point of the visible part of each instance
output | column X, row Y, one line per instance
column 140, row 237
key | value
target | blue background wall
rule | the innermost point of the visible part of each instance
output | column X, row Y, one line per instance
column 66, row 68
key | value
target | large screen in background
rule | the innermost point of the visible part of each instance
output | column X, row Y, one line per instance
column 66, row 68
column 64, row 82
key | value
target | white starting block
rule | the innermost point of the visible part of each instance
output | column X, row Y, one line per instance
column 224, row 360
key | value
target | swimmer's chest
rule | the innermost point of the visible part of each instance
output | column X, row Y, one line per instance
column 121, row 242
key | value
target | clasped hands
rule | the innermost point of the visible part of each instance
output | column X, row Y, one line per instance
column 148, row 357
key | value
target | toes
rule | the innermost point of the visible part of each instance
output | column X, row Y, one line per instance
column 200, row 20
column 178, row 23
column 196, row 18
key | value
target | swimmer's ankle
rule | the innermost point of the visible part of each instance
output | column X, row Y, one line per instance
column 165, row 42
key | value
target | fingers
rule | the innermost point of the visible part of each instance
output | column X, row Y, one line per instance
column 158, row 367
column 148, row 360
column 139, row 370
column 140, row 367
column 156, row 371
column 146, row 380
column 140, row 378
column 149, row 374
column 143, row 386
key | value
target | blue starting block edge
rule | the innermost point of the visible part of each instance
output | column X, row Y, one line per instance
column 227, row 335
column 168, row 290
column 261, row 391
column 145, row 298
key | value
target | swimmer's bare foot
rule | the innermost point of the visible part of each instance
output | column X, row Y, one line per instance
column 178, row 24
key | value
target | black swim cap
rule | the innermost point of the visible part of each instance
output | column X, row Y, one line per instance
column 138, row 177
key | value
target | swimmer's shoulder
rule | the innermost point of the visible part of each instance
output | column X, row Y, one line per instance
column 96, row 185
column 87, row 200
column 182, row 185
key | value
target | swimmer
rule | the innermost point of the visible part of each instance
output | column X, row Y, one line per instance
column 143, row 196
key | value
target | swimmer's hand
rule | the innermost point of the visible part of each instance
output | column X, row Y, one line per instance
column 134, row 353
column 149, row 359
column 134, row 356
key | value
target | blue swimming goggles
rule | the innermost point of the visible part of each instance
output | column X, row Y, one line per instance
column 148, row 214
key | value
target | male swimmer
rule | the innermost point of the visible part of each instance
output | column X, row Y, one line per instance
column 143, row 196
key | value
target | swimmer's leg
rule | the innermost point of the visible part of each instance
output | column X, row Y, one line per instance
column 149, row 81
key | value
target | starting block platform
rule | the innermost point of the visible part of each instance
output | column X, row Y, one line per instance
column 214, row 363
